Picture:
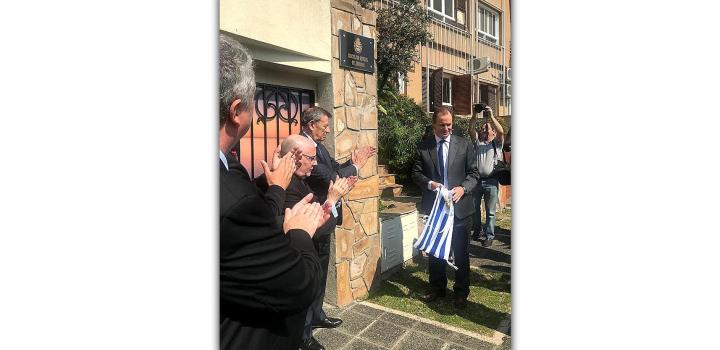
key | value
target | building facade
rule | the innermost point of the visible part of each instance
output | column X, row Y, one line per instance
column 467, row 61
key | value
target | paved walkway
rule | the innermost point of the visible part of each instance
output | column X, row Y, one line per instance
column 495, row 258
column 369, row 326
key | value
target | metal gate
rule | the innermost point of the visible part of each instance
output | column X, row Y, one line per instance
column 276, row 116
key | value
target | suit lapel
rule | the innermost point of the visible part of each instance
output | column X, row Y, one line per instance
column 432, row 149
column 235, row 167
column 321, row 153
column 452, row 152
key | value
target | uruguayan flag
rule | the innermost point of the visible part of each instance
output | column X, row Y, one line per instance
column 436, row 237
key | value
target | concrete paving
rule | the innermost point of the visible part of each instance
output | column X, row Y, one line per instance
column 369, row 326
column 494, row 258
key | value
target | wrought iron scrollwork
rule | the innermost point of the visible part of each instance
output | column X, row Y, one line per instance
column 276, row 102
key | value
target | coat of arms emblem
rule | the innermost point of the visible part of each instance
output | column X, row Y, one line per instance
column 357, row 45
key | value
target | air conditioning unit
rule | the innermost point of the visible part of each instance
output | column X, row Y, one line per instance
column 507, row 90
column 508, row 75
column 480, row 65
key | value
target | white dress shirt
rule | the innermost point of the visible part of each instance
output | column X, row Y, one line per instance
column 224, row 160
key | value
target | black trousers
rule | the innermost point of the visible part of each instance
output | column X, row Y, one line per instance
column 437, row 267
column 315, row 312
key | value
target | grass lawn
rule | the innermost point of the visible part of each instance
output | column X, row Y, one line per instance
column 488, row 304
column 502, row 219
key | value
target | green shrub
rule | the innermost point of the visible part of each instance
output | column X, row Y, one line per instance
column 399, row 131
column 460, row 127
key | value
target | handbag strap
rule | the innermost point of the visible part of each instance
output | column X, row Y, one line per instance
column 495, row 160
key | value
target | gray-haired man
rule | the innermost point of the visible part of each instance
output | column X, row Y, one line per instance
column 268, row 312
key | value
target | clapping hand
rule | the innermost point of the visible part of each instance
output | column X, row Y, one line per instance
column 305, row 216
column 352, row 180
column 282, row 169
column 361, row 155
column 339, row 188
column 296, row 151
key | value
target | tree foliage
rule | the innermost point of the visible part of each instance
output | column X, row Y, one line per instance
column 401, row 27
column 400, row 130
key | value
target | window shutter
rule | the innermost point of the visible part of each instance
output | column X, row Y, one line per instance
column 484, row 93
column 461, row 94
column 436, row 89
column 492, row 98
column 424, row 89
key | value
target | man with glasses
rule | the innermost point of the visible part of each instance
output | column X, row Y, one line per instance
column 295, row 192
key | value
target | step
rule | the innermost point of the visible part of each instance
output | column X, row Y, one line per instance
column 387, row 179
column 382, row 170
column 393, row 207
column 389, row 190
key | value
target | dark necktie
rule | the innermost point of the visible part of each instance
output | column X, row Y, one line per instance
column 441, row 161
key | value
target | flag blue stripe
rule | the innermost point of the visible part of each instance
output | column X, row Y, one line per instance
column 442, row 248
column 431, row 224
column 433, row 231
column 433, row 247
column 424, row 235
column 440, row 208
column 446, row 234
column 437, row 233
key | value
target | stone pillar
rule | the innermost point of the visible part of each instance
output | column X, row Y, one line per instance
column 355, row 255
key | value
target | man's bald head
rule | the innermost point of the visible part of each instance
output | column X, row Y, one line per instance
column 299, row 141
column 307, row 160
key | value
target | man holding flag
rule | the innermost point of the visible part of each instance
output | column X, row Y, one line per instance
column 446, row 171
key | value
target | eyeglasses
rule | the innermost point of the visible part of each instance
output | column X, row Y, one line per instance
column 326, row 127
column 310, row 158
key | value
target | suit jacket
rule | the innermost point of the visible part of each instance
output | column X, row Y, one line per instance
column 461, row 169
column 267, row 278
column 324, row 172
column 297, row 190
column 274, row 196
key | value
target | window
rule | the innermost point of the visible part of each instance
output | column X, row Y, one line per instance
column 401, row 83
column 488, row 24
column 447, row 91
column 443, row 7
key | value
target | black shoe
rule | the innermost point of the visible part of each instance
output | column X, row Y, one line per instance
column 328, row 322
column 432, row 296
column 460, row 303
column 312, row 344
column 488, row 242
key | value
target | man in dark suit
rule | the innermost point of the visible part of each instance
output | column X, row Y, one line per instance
column 296, row 191
column 269, row 270
column 315, row 123
column 448, row 160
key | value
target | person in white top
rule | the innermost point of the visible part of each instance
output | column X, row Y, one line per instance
column 488, row 149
